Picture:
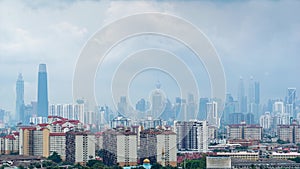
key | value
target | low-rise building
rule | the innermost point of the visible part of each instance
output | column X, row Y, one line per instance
column 242, row 155
column 289, row 155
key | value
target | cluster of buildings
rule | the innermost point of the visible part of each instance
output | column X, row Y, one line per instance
column 131, row 146
column 66, row 137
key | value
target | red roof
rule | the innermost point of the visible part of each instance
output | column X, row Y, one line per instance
column 10, row 137
column 28, row 128
column 57, row 134
column 98, row 133
column 74, row 121
column 16, row 133
column 43, row 124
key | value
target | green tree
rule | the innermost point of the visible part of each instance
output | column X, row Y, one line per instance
column 156, row 166
column 55, row 157
column 92, row 163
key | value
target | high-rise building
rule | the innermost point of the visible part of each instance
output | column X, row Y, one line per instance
column 58, row 144
column 157, row 101
column 34, row 142
column 212, row 114
column 242, row 99
column 231, row 107
column 80, row 147
column 120, row 147
column 251, row 94
column 291, row 101
column 192, row 135
column 203, row 108
column 266, row 120
column 249, row 118
column 236, row 118
column 159, row 146
column 42, row 108
column 254, row 99
column 289, row 133
column 141, row 105
column 191, row 107
column 123, row 106
column 20, row 99
column 278, row 107
column 257, row 92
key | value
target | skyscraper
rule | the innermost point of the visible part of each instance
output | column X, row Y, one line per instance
column 291, row 101
column 257, row 92
column 157, row 101
column 42, row 109
column 20, row 98
column 242, row 99
column 203, row 108
column 212, row 114
column 191, row 107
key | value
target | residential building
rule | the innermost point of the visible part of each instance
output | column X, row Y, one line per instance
column 80, row 147
column 34, row 141
column 289, row 133
column 244, row 131
column 120, row 147
column 192, row 135
column 159, row 146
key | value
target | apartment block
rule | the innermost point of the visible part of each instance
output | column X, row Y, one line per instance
column 192, row 135
column 80, row 147
column 120, row 147
column 34, row 141
column 289, row 133
column 9, row 144
column 244, row 131
column 159, row 146
column 58, row 144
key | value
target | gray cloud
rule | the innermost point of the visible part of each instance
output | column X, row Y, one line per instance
column 259, row 38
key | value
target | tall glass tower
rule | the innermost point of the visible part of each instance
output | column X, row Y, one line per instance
column 42, row 109
column 20, row 98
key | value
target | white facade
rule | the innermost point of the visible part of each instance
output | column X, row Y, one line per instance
column 192, row 135
column 69, row 111
column 58, row 144
column 265, row 120
column 278, row 107
column 212, row 114
column 166, row 148
column 126, row 149
column 84, row 148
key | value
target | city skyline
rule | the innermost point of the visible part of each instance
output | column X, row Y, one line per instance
column 24, row 46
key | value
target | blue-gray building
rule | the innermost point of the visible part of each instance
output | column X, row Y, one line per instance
column 20, row 99
column 42, row 103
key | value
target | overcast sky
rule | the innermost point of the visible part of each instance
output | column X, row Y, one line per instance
column 252, row 38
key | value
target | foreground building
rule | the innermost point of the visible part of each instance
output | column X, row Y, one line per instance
column 120, row 147
column 80, row 147
column 192, row 135
column 9, row 144
column 34, row 141
column 159, row 146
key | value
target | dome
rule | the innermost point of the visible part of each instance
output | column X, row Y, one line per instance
column 146, row 161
